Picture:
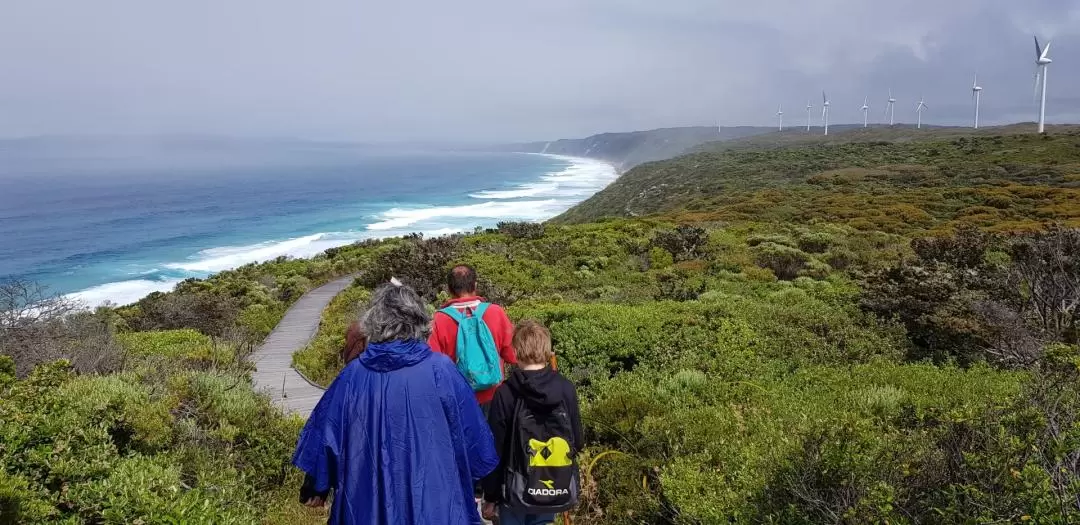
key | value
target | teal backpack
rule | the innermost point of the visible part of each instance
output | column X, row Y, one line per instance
column 477, row 355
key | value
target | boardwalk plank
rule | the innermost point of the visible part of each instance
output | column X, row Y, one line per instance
column 274, row 373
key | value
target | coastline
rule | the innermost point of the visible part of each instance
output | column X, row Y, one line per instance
column 534, row 201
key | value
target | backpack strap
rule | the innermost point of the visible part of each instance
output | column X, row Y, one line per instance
column 459, row 317
column 454, row 314
column 511, row 453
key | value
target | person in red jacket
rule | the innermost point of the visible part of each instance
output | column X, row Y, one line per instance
column 461, row 283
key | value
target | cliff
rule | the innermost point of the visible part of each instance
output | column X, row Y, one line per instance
column 626, row 150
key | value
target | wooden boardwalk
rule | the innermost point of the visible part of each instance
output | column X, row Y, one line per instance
column 274, row 373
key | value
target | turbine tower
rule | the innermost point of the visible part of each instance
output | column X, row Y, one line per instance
column 919, row 109
column 890, row 110
column 1041, row 63
column 976, row 91
column 865, row 109
column 809, row 106
column 825, row 111
column 780, row 115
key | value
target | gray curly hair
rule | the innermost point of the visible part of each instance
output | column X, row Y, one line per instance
column 395, row 312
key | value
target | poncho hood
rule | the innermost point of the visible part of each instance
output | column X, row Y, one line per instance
column 387, row 356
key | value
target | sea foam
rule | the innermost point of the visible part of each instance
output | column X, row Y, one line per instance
column 398, row 218
column 554, row 193
column 227, row 257
column 123, row 292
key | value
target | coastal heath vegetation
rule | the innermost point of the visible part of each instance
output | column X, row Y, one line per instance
column 866, row 330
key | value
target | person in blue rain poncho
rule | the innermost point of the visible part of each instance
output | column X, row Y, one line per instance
column 398, row 436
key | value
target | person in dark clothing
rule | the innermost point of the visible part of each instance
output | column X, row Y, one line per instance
column 539, row 385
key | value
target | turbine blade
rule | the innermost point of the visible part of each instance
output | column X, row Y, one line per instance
column 824, row 99
column 1046, row 50
column 1035, row 88
column 975, row 83
column 1038, row 49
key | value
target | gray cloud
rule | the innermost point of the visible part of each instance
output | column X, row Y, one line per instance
column 497, row 70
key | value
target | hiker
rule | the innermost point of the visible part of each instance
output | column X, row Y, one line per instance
column 484, row 328
column 537, row 427
column 398, row 436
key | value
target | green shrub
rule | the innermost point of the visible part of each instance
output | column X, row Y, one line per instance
column 420, row 263
column 19, row 503
column 759, row 239
column 784, row 261
column 169, row 343
column 258, row 320
column 816, row 242
column 819, row 444
column 521, row 230
column 684, row 243
column 660, row 258
column 151, row 490
column 187, row 447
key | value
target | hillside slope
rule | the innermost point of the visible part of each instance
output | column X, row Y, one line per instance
column 892, row 180
column 626, row 150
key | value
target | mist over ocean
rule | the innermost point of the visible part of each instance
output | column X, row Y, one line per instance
column 113, row 221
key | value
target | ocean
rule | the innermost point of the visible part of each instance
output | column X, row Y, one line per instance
column 116, row 220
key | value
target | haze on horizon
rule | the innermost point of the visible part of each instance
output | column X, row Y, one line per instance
column 488, row 70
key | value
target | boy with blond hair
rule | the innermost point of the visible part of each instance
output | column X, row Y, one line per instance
column 536, row 423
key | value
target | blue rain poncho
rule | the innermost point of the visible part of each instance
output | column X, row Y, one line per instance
column 400, row 439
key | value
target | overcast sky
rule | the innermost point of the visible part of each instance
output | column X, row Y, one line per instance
column 515, row 70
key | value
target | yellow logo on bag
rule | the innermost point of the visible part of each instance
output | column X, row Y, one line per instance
column 549, row 483
column 554, row 452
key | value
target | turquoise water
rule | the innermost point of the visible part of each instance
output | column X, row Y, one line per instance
column 108, row 222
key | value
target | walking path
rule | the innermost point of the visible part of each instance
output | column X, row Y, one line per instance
column 273, row 359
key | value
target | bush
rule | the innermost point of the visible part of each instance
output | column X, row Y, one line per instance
column 959, row 299
column 420, row 263
column 258, row 320
column 784, row 261
column 683, row 243
column 149, row 445
column 660, row 258
column 818, row 242
column 211, row 313
column 521, row 230
column 37, row 327
column 20, row 504
column 819, row 444
column 168, row 343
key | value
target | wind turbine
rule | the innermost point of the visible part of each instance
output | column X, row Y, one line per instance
column 780, row 115
column 976, row 91
column 1041, row 63
column 919, row 109
column 825, row 111
column 890, row 110
column 865, row 108
column 809, row 106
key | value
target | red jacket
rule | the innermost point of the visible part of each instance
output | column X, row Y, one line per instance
column 444, row 336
